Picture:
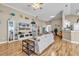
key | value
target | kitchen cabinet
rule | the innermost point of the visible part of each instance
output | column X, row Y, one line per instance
column 43, row 41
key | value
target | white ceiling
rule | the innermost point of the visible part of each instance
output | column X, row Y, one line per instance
column 74, row 8
column 49, row 9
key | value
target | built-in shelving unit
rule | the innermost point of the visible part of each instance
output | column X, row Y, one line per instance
column 34, row 28
column 27, row 29
column 21, row 30
column 24, row 30
column 12, row 36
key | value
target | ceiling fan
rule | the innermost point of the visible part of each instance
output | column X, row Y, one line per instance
column 36, row 6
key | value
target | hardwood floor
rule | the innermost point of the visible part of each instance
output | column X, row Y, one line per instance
column 12, row 49
column 58, row 48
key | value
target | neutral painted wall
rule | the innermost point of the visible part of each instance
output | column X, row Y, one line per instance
column 57, row 21
column 5, row 14
column 72, row 18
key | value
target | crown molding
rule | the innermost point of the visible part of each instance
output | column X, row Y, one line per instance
column 17, row 9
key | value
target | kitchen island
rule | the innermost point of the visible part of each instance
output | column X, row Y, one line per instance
column 43, row 41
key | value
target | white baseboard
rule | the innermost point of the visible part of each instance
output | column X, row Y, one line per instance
column 71, row 41
column 3, row 42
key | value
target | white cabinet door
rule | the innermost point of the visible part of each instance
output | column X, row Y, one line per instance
column 44, row 41
column 41, row 44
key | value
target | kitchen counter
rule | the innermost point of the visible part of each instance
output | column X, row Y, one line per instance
column 72, row 36
column 75, row 36
column 67, row 34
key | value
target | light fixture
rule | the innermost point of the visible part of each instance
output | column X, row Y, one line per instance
column 36, row 6
column 77, row 12
column 52, row 16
